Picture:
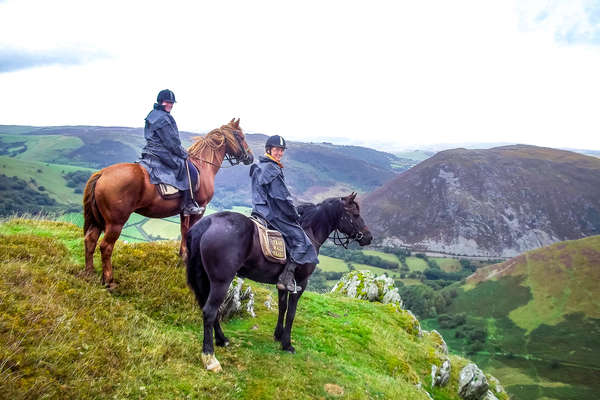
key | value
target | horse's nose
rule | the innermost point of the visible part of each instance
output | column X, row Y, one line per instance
column 249, row 159
column 367, row 238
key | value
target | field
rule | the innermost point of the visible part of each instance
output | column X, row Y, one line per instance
column 50, row 176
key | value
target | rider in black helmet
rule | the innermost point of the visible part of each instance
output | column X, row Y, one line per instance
column 163, row 156
column 272, row 202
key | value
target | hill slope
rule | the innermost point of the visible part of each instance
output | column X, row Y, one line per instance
column 65, row 337
column 497, row 202
column 541, row 311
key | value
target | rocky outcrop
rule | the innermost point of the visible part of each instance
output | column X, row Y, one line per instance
column 498, row 202
column 472, row 383
column 366, row 286
column 440, row 376
column 239, row 300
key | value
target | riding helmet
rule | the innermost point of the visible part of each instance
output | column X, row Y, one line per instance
column 165, row 95
column 276, row 141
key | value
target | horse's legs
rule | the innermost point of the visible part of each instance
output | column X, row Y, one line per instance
column 220, row 338
column 111, row 234
column 185, row 225
column 91, row 239
column 286, row 337
column 218, row 290
column 283, row 301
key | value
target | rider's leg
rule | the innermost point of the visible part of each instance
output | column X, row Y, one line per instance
column 286, row 278
column 190, row 207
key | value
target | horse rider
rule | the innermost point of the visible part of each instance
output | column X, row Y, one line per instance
column 163, row 156
column 272, row 202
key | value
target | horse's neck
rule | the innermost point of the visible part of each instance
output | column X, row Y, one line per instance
column 321, row 231
column 209, row 160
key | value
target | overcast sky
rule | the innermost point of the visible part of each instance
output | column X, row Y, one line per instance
column 404, row 72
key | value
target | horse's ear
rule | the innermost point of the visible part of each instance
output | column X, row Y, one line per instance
column 232, row 121
column 237, row 123
column 352, row 196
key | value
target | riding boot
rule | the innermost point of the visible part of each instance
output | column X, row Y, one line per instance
column 286, row 279
column 190, row 207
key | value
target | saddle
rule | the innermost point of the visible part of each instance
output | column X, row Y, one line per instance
column 271, row 241
column 168, row 192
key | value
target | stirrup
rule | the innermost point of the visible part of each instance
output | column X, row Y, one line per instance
column 195, row 209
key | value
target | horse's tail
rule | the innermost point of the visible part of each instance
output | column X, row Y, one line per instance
column 196, row 274
column 91, row 214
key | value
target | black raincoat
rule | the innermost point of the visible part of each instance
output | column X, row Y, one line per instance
column 272, row 201
column 163, row 156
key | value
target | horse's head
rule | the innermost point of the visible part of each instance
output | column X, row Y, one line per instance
column 237, row 149
column 351, row 223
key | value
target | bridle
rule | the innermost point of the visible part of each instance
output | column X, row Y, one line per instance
column 342, row 239
column 233, row 159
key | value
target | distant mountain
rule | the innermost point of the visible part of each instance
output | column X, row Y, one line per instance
column 540, row 314
column 496, row 202
column 313, row 170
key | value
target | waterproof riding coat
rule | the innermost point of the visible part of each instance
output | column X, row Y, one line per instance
column 272, row 201
column 163, row 156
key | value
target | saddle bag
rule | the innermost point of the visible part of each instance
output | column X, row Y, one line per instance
column 272, row 243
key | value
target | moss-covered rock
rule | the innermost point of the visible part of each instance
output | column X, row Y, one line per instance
column 366, row 286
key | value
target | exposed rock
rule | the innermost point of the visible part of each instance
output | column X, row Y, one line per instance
column 365, row 285
column 441, row 343
column 269, row 302
column 239, row 300
column 497, row 386
column 472, row 384
column 440, row 376
column 489, row 396
column 416, row 324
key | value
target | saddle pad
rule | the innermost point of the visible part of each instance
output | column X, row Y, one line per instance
column 168, row 192
column 271, row 243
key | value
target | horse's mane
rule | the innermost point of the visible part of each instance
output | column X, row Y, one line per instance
column 327, row 209
column 207, row 147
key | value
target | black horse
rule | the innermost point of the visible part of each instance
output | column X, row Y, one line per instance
column 226, row 243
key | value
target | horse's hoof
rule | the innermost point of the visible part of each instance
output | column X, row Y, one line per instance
column 290, row 349
column 224, row 343
column 111, row 286
column 211, row 363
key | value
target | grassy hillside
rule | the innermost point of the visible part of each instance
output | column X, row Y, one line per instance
column 62, row 336
column 540, row 315
column 50, row 176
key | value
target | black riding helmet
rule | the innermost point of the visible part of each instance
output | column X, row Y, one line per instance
column 165, row 95
column 275, row 141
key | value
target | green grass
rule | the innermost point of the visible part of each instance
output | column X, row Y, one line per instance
column 332, row 264
column 62, row 336
column 447, row 264
column 386, row 256
column 45, row 148
column 162, row 228
column 416, row 264
column 48, row 175
column 377, row 270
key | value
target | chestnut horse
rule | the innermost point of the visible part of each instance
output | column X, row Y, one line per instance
column 112, row 194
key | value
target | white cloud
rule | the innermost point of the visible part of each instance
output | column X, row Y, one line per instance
column 426, row 72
